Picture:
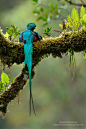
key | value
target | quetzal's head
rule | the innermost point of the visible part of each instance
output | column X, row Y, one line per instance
column 31, row 26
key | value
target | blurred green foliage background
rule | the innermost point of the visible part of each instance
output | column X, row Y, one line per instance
column 56, row 96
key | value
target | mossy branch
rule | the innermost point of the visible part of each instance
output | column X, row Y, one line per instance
column 11, row 52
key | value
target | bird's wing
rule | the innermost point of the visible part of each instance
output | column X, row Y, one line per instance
column 39, row 37
column 21, row 37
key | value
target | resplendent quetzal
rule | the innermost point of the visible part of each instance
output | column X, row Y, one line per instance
column 28, row 37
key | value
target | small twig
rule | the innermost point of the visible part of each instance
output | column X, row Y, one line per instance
column 77, row 4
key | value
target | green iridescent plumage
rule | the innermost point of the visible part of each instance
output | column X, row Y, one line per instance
column 27, row 37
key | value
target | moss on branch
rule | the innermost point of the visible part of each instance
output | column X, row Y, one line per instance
column 11, row 52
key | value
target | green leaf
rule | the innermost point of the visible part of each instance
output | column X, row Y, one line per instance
column 51, row 5
column 13, row 26
column 19, row 91
column 84, row 18
column 9, row 76
column 74, row 67
column 35, row 11
column 56, row 5
column 39, row 18
column 35, row 1
column 57, row 11
column 2, row 87
column 5, row 79
column 7, row 35
column 46, row 56
column 82, row 12
column 75, row 15
column 14, row 34
column 63, row 3
column 69, row 20
column 8, row 31
column 83, row 21
column 61, row 26
column 46, row 14
column 84, row 55
column 42, row 9
column 47, row 31
column 16, row 28
column 12, row 80
column 73, row 20
column 44, row 18
column 49, row 10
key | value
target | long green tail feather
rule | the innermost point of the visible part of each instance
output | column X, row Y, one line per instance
column 29, row 68
column 31, row 97
column 28, row 60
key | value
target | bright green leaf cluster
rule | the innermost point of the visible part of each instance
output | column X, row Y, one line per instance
column 12, row 33
column 47, row 31
column 73, row 20
column 5, row 79
column 83, row 17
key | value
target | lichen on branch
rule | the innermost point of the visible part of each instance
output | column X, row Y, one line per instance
column 12, row 52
